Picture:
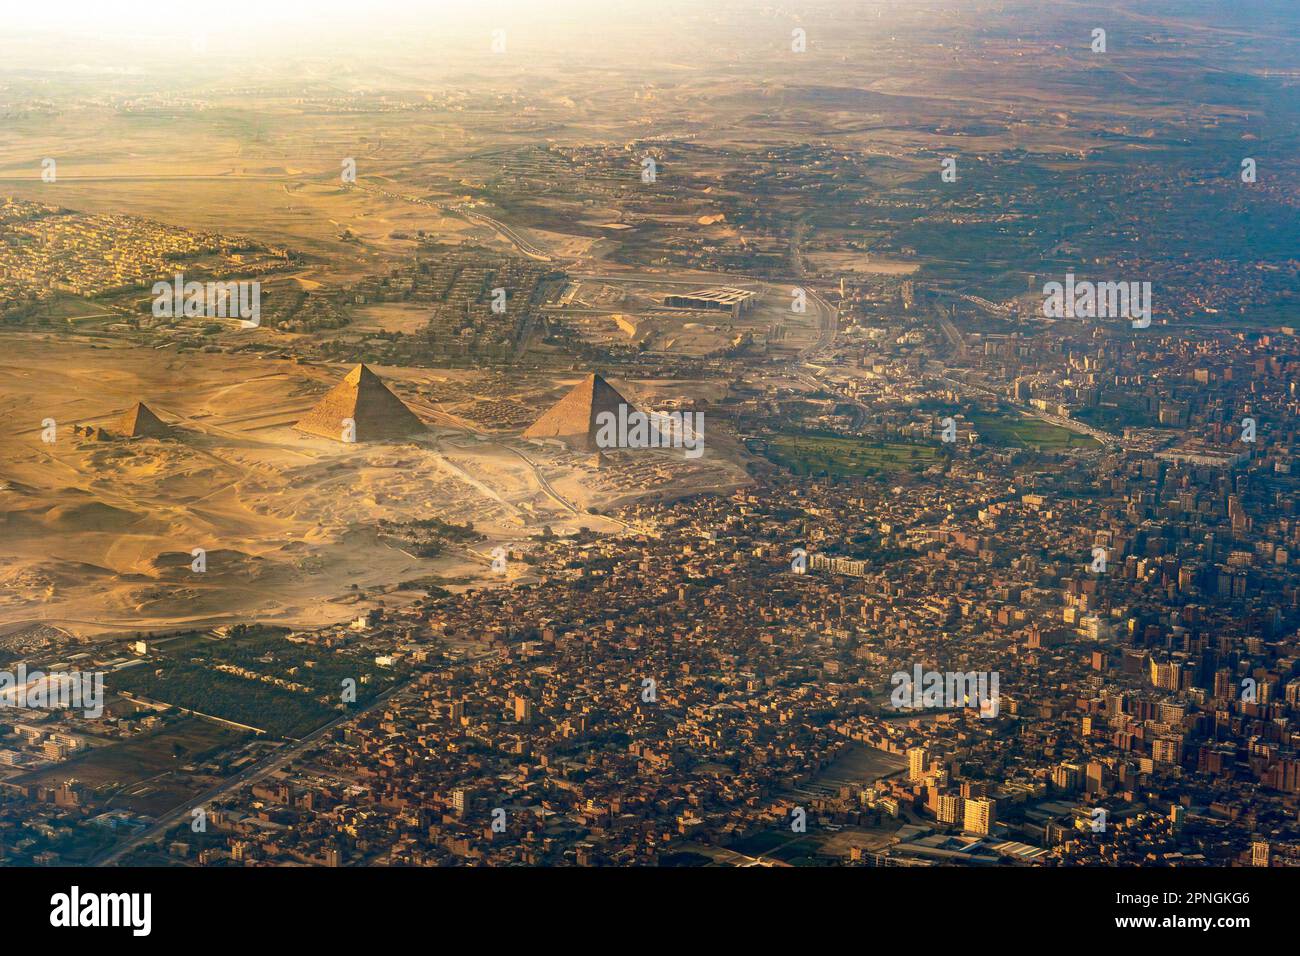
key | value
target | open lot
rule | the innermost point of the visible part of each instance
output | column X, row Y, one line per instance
column 142, row 774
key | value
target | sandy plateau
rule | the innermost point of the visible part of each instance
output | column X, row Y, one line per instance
column 98, row 535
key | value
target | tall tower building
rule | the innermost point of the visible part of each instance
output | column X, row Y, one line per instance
column 948, row 808
column 918, row 759
column 980, row 815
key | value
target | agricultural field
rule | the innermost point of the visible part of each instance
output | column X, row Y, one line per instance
column 142, row 774
column 259, row 680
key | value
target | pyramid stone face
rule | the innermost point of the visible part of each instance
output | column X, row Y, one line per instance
column 140, row 422
column 364, row 398
column 572, row 419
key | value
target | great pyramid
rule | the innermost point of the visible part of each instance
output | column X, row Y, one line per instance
column 362, row 397
column 140, row 422
column 572, row 419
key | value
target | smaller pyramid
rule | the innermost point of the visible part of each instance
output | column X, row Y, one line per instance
column 140, row 422
column 572, row 419
column 365, row 399
column 95, row 433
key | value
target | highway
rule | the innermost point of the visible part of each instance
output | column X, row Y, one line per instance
column 952, row 332
column 1106, row 438
column 827, row 329
column 519, row 242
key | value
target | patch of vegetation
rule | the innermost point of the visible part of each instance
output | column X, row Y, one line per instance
column 427, row 537
column 216, row 694
column 837, row 456
column 1016, row 432
column 310, row 680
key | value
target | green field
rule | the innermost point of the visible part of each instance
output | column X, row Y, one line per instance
column 780, row 844
column 187, row 677
column 215, row 694
column 1019, row 432
column 836, row 456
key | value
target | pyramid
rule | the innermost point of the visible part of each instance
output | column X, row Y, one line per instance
column 365, row 399
column 572, row 419
column 140, row 422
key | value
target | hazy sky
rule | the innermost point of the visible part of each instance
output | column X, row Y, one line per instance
column 139, row 35
column 196, row 16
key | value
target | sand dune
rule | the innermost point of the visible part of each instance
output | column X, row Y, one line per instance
column 89, row 516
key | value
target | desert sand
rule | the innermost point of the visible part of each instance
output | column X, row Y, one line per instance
column 100, row 534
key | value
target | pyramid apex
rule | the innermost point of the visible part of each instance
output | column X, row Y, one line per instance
column 573, row 418
column 373, row 409
column 140, row 421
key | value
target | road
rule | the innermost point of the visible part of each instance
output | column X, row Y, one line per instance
column 528, row 248
column 246, row 777
column 520, row 243
column 827, row 328
column 490, row 439
column 1106, row 438
column 952, row 332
